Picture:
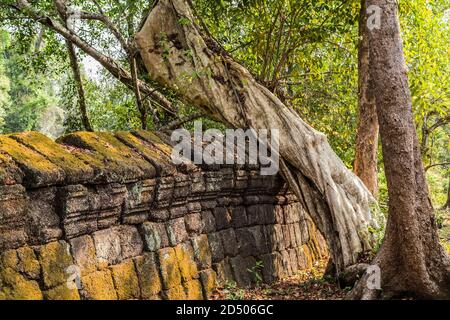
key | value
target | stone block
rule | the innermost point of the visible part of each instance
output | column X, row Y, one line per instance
column 229, row 242
column 15, row 286
column 209, row 223
column 193, row 222
column 208, row 278
column 148, row 275
column 131, row 244
column 83, row 251
column 62, row 292
column 13, row 203
column 176, row 230
column 202, row 251
column 222, row 217
column 170, row 272
column 125, row 280
column 193, row 289
column 107, row 246
column 215, row 244
column 43, row 223
column 155, row 235
column 175, row 293
column 139, row 199
column 54, row 259
column 98, row 285
column 239, row 217
column 186, row 261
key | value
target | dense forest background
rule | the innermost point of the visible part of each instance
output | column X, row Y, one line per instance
column 304, row 51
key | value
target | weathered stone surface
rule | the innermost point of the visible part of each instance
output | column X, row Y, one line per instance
column 107, row 246
column 85, row 210
column 176, row 230
column 37, row 170
column 216, row 221
column 193, row 222
column 223, row 271
column 125, row 280
column 186, row 261
column 259, row 239
column 215, row 244
column 240, row 266
column 131, row 244
column 98, row 286
column 193, row 289
column 209, row 223
column 160, row 160
column 175, row 293
column 98, row 148
column 239, row 217
column 208, row 278
column 155, row 235
column 229, row 242
column 43, row 220
column 222, row 217
column 13, row 201
column 170, row 271
column 9, row 172
column 148, row 275
column 62, row 292
column 139, row 200
column 83, row 251
column 75, row 170
column 246, row 242
column 14, row 286
column 55, row 258
column 260, row 214
column 202, row 251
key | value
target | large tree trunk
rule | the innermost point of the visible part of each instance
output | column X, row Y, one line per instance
column 178, row 56
column 365, row 165
column 411, row 260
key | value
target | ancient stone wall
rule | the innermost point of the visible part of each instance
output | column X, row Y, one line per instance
column 108, row 216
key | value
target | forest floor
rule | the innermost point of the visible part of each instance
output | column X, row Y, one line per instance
column 311, row 284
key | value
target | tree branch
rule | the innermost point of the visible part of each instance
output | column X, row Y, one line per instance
column 107, row 62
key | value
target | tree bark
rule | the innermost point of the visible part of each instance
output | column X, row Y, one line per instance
column 179, row 57
column 365, row 165
column 411, row 260
column 60, row 6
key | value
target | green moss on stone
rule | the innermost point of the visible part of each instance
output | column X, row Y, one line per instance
column 37, row 169
column 75, row 169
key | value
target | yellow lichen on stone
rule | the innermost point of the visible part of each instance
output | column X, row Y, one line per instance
column 158, row 158
column 169, row 268
column 148, row 275
column 62, row 292
column 186, row 262
column 28, row 262
column 307, row 255
column 176, row 293
column 55, row 258
column 14, row 286
column 209, row 281
column 37, row 169
column 107, row 153
column 193, row 290
column 125, row 280
column 98, row 286
column 75, row 169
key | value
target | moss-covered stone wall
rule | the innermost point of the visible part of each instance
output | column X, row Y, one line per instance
column 108, row 216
